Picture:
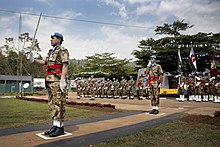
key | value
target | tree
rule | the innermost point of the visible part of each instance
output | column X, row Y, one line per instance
column 167, row 51
column 14, row 57
column 105, row 65
column 3, row 65
column 173, row 29
column 145, row 51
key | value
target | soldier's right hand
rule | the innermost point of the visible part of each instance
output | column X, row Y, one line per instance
column 149, row 64
column 30, row 57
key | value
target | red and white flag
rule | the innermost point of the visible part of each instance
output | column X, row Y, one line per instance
column 193, row 58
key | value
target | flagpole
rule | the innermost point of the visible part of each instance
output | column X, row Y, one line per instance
column 19, row 32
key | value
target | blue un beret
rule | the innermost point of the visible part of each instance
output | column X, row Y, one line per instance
column 153, row 56
column 58, row 35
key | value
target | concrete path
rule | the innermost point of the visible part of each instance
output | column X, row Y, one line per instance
column 91, row 131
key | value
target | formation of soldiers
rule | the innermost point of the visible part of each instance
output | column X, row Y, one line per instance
column 199, row 87
column 195, row 87
column 100, row 88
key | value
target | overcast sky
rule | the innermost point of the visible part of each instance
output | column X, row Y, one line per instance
column 85, row 39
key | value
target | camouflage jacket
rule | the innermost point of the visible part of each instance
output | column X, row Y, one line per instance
column 57, row 56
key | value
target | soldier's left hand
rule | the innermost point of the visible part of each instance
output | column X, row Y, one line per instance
column 62, row 84
column 159, row 85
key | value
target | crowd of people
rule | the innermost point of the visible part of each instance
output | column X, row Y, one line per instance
column 93, row 88
column 199, row 87
column 195, row 87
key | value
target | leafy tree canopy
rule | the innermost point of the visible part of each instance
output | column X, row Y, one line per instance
column 173, row 29
column 105, row 65
column 166, row 50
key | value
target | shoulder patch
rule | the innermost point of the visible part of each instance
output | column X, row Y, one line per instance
column 64, row 49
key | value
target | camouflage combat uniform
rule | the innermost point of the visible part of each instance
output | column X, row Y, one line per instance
column 79, row 86
column 116, row 85
column 217, row 90
column 56, row 98
column 191, row 88
column 123, row 88
column 140, row 87
column 130, row 88
column 198, row 89
column 154, row 78
column 182, row 88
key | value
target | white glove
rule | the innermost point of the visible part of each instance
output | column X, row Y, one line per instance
column 62, row 84
column 181, row 85
column 30, row 57
column 212, row 78
column 149, row 64
column 198, row 78
column 198, row 83
column 159, row 85
column 177, row 76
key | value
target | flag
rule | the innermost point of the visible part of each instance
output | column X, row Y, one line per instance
column 214, row 70
column 179, row 62
column 192, row 59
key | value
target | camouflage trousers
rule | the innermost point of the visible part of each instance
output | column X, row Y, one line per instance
column 79, row 91
column 154, row 93
column 198, row 90
column 181, row 91
column 56, row 100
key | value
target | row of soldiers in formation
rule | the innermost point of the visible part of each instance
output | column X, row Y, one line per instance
column 94, row 88
column 199, row 88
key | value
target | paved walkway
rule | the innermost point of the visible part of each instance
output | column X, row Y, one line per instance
column 94, row 130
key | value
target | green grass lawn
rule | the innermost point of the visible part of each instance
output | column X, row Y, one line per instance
column 15, row 113
column 175, row 134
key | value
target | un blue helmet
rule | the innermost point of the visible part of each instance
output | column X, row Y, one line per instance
column 153, row 56
column 58, row 35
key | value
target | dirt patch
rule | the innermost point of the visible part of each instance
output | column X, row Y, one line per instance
column 203, row 119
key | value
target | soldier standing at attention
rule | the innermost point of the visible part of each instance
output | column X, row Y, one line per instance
column 155, row 74
column 79, row 86
column 56, row 62
column 130, row 88
column 191, row 87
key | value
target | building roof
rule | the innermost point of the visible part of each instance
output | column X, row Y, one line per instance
column 15, row 78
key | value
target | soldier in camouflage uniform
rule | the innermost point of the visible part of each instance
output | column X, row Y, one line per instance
column 123, row 88
column 191, row 88
column 217, row 90
column 198, row 89
column 102, row 90
column 79, row 86
column 92, row 88
column 205, row 84
column 116, row 85
column 182, row 88
column 85, row 89
column 106, row 88
column 211, row 88
column 140, row 87
column 99, row 87
column 56, row 62
column 109, row 89
column 130, row 88
column 155, row 75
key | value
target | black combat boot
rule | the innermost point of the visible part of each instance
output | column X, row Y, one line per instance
column 51, row 130
column 156, row 112
column 152, row 111
column 59, row 131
